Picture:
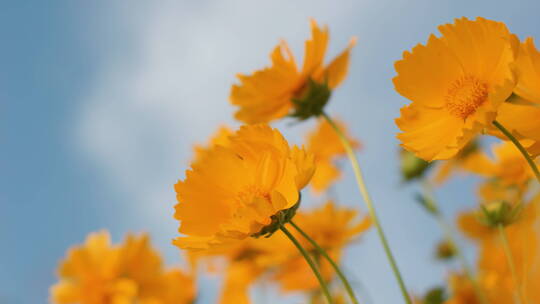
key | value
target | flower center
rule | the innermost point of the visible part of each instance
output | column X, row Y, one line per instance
column 465, row 95
column 247, row 197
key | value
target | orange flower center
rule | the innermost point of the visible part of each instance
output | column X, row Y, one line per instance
column 465, row 95
column 250, row 193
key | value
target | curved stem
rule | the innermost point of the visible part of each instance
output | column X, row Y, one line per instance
column 510, row 261
column 518, row 145
column 371, row 208
column 312, row 265
column 451, row 239
column 323, row 252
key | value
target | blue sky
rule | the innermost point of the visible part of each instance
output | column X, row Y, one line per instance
column 101, row 102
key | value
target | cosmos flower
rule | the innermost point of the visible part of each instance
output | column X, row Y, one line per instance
column 270, row 93
column 333, row 228
column 509, row 166
column 277, row 260
column 99, row 272
column 524, row 242
column 325, row 145
column 456, row 83
column 241, row 189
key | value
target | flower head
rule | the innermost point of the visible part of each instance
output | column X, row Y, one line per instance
column 273, row 92
column 325, row 145
column 509, row 166
column 521, row 114
column 524, row 242
column 276, row 258
column 99, row 272
column 333, row 228
column 239, row 190
column 456, row 84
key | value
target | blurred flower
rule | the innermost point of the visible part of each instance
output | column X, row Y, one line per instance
column 325, row 145
column 99, row 272
column 277, row 259
column 520, row 115
column 444, row 169
column 509, row 165
column 332, row 228
column 493, row 269
column 456, row 83
column 272, row 93
column 462, row 290
column 244, row 189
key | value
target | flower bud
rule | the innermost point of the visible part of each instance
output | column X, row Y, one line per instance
column 499, row 213
column 445, row 251
column 412, row 167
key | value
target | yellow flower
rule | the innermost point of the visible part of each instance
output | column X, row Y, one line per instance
column 446, row 168
column 509, row 165
column 325, row 145
column 462, row 290
column 244, row 262
column 521, row 114
column 99, row 272
column 276, row 257
column 268, row 94
column 235, row 192
column 524, row 241
column 456, row 84
column 332, row 228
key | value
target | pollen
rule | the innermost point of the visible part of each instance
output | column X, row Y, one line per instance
column 465, row 95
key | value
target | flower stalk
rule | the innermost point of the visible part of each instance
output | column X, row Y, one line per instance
column 334, row 265
column 520, row 147
column 450, row 238
column 510, row 260
column 369, row 203
column 311, row 264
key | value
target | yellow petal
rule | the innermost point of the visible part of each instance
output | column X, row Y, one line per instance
column 337, row 70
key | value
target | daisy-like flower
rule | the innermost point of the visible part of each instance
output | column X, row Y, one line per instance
column 495, row 275
column 521, row 114
column 447, row 168
column 509, row 165
column 325, row 145
column 99, row 272
column 462, row 290
column 246, row 188
column 333, row 228
column 275, row 92
column 275, row 258
column 456, row 83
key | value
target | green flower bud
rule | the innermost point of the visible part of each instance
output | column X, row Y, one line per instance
column 499, row 213
column 445, row 251
column 412, row 167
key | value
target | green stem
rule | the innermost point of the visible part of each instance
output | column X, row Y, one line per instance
column 312, row 265
column 510, row 261
column 371, row 208
column 520, row 148
column 323, row 252
column 451, row 239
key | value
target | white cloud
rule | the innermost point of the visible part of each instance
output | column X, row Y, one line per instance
column 166, row 87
